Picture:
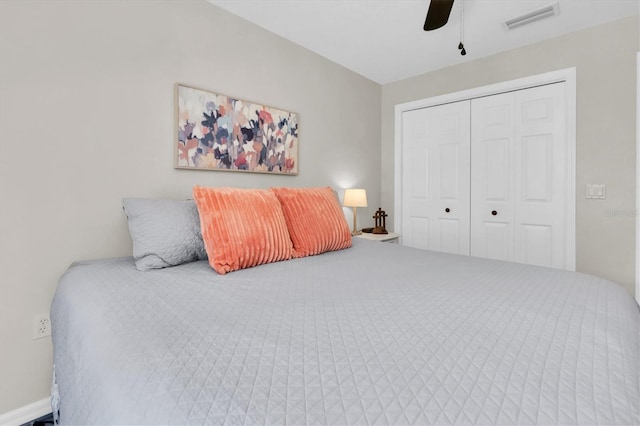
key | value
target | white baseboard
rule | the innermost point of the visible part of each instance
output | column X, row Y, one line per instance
column 27, row 413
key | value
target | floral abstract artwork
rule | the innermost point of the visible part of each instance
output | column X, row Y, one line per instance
column 216, row 132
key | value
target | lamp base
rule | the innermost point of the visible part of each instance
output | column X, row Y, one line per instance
column 355, row 226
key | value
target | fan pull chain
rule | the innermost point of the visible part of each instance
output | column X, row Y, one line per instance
column 461, row 44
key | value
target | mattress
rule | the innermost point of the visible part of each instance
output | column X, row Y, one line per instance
column 374, row 334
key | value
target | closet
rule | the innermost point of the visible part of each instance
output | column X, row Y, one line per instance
column 487, row 177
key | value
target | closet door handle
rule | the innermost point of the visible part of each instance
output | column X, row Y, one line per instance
column 447, row 210
column 493, row 212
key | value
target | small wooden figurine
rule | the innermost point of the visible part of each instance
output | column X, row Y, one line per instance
column 381, row 222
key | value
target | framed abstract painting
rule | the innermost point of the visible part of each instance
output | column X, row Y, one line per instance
column 217, row 132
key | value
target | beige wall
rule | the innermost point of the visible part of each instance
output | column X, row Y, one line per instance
column 605, row 61
column 86, row 118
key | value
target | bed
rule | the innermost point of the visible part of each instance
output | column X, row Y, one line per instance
column 373, row 334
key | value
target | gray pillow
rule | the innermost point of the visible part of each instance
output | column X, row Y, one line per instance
column 164, row 232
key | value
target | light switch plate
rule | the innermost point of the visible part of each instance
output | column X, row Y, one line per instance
column 596, row 191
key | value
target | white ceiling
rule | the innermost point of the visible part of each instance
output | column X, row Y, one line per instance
column 383, row 40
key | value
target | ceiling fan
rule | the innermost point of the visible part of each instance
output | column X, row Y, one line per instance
column 438, row 16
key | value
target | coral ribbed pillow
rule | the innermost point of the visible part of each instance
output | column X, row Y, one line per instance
column 315, row 220
column 242, row 228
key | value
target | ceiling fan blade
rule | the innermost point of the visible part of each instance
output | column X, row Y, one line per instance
column 438, row 14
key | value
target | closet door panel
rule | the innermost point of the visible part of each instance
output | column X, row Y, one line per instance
column 418, row 232
column 416, row 182
column 496, row 169
column 541, row 176
column 419, row 174
column 494, row 239
column 537, row 244
column 450, row 236
column 492, row 176
column 449, row 168
column 537, row 175
column 435, row 178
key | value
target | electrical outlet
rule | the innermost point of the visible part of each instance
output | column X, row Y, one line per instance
column 41, row 326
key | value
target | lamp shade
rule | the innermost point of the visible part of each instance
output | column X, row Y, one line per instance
column 355, row 198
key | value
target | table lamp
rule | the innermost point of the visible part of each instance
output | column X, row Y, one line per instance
column 355, row 198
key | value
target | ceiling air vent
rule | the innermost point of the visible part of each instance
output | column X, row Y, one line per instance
column 534, row 15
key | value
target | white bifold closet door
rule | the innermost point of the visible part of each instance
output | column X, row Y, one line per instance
column 487, row 176
column 435, row 176
column 518, row 176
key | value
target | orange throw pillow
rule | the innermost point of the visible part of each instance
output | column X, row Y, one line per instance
column 242, row 228
column 315, row 220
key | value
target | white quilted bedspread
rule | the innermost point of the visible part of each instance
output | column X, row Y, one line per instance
column 375, row 334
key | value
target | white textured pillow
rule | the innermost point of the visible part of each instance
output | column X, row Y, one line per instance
column 164, row 232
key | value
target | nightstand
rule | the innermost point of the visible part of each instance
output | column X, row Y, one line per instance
column 384, row 238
